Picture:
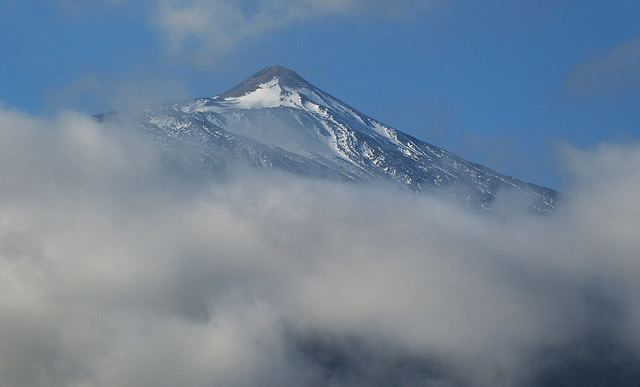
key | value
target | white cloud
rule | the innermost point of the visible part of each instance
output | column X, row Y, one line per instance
column 115, row 271
column 612, row 72
column 95, row 93
column 201, row 31
column 205, row 29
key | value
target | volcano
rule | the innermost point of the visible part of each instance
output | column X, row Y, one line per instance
column 276, row 120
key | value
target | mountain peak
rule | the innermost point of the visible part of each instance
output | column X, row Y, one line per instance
column 278, row 71
column 284, row 76
column 277, row 120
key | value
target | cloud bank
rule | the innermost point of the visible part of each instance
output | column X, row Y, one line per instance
column 118, row 269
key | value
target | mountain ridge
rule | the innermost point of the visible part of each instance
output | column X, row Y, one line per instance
column 275, row 119
column 286, row 76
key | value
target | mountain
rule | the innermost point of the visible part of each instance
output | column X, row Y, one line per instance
column 277, row 120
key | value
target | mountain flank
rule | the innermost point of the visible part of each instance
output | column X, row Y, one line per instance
column 277, row 120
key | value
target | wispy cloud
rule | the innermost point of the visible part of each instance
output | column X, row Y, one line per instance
column 116, row 270
column 205, row 29
column 95, row 93
column 202, row 31
column 612, row 72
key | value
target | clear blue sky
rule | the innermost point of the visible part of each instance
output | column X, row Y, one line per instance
column 500, row 82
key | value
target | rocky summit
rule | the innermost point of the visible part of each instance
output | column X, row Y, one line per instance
column 277, row 120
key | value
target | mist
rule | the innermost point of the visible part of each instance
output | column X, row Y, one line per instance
column 118, row 268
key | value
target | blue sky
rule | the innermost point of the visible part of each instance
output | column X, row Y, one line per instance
column 503, row 83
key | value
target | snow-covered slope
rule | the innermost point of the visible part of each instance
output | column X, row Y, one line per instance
column 277, row 120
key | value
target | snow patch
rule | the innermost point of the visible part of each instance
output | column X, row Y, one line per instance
column 384, row 131
column 265, row 96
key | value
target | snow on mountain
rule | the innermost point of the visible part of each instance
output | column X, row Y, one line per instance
column 277, row 120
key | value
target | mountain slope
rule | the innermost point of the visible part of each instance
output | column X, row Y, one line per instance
column 277, row 120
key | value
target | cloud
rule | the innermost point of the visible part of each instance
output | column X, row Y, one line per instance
column 612, row 72
column 202, row 31
column 205, row 29
column 93, row 92
column 118, row 270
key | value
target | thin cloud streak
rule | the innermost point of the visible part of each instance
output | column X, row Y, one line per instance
column 614, row 72
column 203, row 30
column 119, row 270
column 93, row 92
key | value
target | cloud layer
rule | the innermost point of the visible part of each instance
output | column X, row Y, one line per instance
column 118, row 269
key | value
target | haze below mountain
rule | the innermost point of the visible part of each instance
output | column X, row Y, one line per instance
column 161, row 248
